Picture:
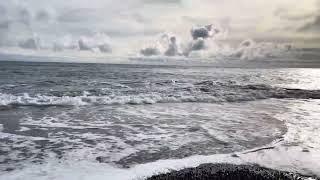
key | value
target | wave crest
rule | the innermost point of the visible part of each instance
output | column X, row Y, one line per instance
column 205, row 92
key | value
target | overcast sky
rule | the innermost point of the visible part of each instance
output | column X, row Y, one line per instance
column 132, row 19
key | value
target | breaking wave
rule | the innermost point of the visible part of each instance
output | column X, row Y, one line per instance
column 43, row 100
column 205, row 92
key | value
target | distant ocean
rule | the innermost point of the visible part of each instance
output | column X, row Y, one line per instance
column 125, row 121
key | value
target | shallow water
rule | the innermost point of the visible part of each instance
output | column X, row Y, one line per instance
column 65, row 121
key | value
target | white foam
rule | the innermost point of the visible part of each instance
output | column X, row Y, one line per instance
column 281, row 159
column 22, row 129
column 290, row 154
column 85, row 170
column 25, row 99
column 38, row 100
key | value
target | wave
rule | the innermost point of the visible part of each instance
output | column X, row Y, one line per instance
column 206, row 92
column 43, row 100
column 283, row 93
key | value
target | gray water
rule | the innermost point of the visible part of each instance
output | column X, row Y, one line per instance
column 128, row 115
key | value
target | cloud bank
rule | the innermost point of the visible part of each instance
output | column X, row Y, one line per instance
column 75, row 24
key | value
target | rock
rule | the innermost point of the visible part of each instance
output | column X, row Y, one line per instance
column 227, row 172
column 305, row 150
column 234, row 155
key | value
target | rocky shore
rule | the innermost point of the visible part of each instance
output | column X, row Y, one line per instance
column 229, row 172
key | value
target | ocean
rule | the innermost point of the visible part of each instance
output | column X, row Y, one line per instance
column 129, row 121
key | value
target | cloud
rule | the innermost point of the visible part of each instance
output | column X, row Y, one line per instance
column 196, row 45
column 4, row 25
column 44, row 15
column 132, row 21
column 165, row 44
column 79, row 15
column 31, row 43
column 301, row 18
column 172, row 47
column 204, row 32
column 24, row 16
column 3, row 10
column 162, row 1
column 313, row 26
column 168, row 44
column 285, row 14
column 150, row 51
column 201, row 32
column 98, row 42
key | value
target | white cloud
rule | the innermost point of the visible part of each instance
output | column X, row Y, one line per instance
column 21, row 19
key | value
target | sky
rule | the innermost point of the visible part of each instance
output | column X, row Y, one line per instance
column 133, row 21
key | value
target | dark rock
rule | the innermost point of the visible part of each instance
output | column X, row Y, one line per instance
column 227, row 172
column 100, row 159
column 305, row 150
column 234, row 155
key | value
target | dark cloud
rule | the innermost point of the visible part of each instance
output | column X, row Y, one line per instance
column 97, row 42
column 312, row 26
column 105, row 48
column 150, row 51
column 3, row 10
column 79, row 15
column 172, row 48
column 312, row 19
column 196, row 45
column 42, row 16
column 5, row 25
column 140, row 18
column 200, row 37
column 204, row 32
column 247, row 43
column 24, row 16
column 285, row 15
column 32, row 43
column 14, row 16
column 83, row 45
